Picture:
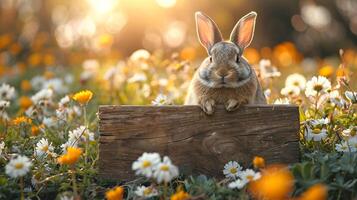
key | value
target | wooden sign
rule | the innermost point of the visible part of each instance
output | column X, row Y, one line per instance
column 196, row 142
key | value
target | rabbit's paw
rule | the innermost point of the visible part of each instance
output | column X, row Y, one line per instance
column 232, row 105
column 208, row 106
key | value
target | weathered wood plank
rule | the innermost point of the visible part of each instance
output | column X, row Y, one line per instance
column 196, row 142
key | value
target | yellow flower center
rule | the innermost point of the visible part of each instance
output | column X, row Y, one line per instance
column 296, row 83
column 19, row 165
column 316, row 131
column 164, row 168
column 233, row 170
column 250, row 177
column 147, row 191
column 146, row 164
column 45, row 148
column 318, row 88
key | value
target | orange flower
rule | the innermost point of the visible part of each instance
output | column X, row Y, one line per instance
column 35, row 59
column 180, row 195
column 48, row 75
column 21, row 120
column 315, row 192
column 276, row 183
column 35, row 130
column 25, row 102
column 326, row 71
column 26, row 85
column 258, row 162
column 188, row 53
column 83, row 97
column 116, row 193
column 49, row 59
column 70, row 157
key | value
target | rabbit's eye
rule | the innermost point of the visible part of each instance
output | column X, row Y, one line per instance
column 210, row 58
column 238, row 59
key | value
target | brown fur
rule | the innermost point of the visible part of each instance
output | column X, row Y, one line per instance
column 225, row 77
column 249, row 93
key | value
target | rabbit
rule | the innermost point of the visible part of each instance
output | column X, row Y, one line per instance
column 225, row 76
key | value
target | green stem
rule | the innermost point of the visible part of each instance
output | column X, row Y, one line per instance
column 22, row 188
column 165, row 190
column 85, row 116
column 74, row 183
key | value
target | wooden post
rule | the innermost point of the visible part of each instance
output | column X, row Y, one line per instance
column 196, row 142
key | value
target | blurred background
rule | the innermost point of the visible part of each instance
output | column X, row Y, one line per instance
column 317, row 28
column 302, row 36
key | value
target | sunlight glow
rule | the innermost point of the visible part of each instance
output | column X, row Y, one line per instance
column 102, row 6
column 166, row 3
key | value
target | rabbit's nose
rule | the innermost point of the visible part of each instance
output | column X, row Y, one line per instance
column 222, row 74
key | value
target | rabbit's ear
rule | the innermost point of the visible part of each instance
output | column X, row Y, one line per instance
column 243, row 31
column 207, row 31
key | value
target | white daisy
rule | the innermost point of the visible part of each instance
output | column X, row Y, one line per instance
column 350, row 132
column 138, row 77
column 2, row 147
column 146, row 164
column 42, row 95
column 316, row 134
column 110, row 73
column 49, row 122
column 160, row 100
column 56, row 84
column 232, row 169
column 7, row 92
column 3, row 114
column 352, row 96
column 290, row 91
column 146, row 192
column 37, row 82
column 249, row 175
column 237, row 184
column 64, row 101
column 317, row 85
column 165, row 171
column 43, row 147
column 267, row 70
column 322, row 121
column 18, row 166
column 344, row 147
column 81, row 134
column 139, row 55
column 69, row 143
column 296, row 80
column 282, row 101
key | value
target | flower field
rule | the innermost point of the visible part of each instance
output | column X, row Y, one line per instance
column 50, row 90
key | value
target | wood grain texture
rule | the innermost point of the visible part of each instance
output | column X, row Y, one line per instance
column 196, row 142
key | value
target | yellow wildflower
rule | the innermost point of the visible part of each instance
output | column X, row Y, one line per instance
column 70, row 157
column 258, row 162
column 276, row 183
column 83, row 97
column 25, row 102
column 180, row 195
column 49, row 59
column 48, row 75
column 35, row 59
column 35, row 130
column 326, row 71
column 315, row 192
column 116, row 193
column 21, row 120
